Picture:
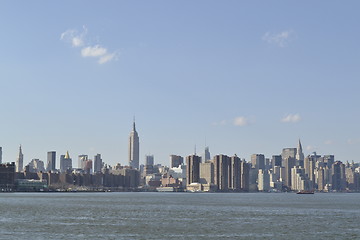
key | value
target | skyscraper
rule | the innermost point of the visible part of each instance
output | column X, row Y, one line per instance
column 299, row 155
column 51, row 161
column 82, row 161
column 97, row 163
column 0, row 154
column 192, row 169
column 19, row 161
column 207, row 156
column 65, row 162
column 258, row 161
column 149, row 160
column 176, row 161
column 134, row 148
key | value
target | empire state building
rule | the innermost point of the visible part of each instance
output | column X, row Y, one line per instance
column 134, row 148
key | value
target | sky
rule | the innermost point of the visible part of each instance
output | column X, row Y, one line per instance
column 242, row 77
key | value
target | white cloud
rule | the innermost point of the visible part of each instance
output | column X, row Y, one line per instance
column 106, row 58
column 292, row 118
column 280, row 39
column 241, row 121
column 77, row 39
column 93, row 51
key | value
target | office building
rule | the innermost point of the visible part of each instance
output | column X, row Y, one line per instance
column 207, row 156
column 288, row 164
column 149, row 160
column 235, row 173
column 51, row 161
column 0, row 155
column 192, row 169
column 221, row 172
column 263, row 180
column 97, row 163
column 19, row 165
column 207, row 173
column 176, row 161
column 82, row 161
column 134, row 148
column 65, row 162
column 258, row 161
column 276, row 160
column 338, row 176
column 288, row 152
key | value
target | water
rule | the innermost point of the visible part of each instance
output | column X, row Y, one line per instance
column 179, row 216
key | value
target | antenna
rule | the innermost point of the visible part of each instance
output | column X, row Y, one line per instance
column 195, row 150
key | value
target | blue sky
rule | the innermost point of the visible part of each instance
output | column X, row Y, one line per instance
column 247, row 76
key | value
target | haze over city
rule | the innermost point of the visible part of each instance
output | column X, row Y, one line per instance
column 240, row 77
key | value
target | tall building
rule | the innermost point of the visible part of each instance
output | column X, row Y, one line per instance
column 276, row 161
column 97, row 163
column 207, row 155
column 263, row 180
column 134, row 148
column 51, row 161
column 82, row 161
column 65, row 162
column 245, row 176
column 19, row 165
column 207, row 173
column 258, row 161
column 149, row 160
column 288, row 164
column 235, row 173
column 288, row 152
column 299, row 155
column 221, row 172
column 338, row 176
column 192, row 169
column 0, row 155
column 176, row 161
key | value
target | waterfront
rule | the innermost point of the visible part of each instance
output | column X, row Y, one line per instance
column 179, row 216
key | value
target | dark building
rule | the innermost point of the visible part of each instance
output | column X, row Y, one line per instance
column 276, row 161
column 192, row 169
column 235, row 173
column 51, row 161
column 221, row 172
column 288, row 164
column 245, row 176
column 176, row 161
column 338, row 176
column 258, row 161
column 7, row 176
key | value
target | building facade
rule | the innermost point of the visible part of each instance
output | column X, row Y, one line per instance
column 134, row 148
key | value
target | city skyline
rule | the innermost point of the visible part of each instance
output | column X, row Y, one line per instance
column 250, row 78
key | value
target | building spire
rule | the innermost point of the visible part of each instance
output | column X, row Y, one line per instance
column 134, row 129
column 67, row 156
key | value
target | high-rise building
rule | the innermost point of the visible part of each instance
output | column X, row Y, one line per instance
column 235, row 173
column 51, row 161
column 97, row 163
column 338, row 176
column 288, row 164
column 263, row 180
column 134, row 148
column 192, row 169
column 299, row 155
column 0, row 155
column 149, row 160
column 176, row 161
column 82, row 161
column 276, row 161
column 258, row 161
column 245, row 176
column 207, row 173
column 19, row 165
column 288, row 152
column 65, row 162
column 207, row 155
column 221, row 172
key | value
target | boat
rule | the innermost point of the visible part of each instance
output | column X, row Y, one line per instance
column 305, row 192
